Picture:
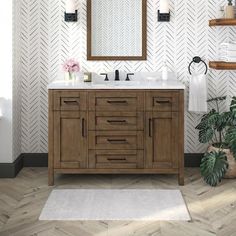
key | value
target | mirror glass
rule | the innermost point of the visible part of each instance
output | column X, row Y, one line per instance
column 116, row 29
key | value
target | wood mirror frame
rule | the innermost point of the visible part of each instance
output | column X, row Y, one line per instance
column 120, row 58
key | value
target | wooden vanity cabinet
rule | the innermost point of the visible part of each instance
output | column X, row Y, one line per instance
column 70, row 139
column 104, row 131
column 162, row 140
column 68, row 131
column 164, row 133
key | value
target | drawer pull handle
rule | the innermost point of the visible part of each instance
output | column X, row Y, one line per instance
column 163, row 102
column 71, row 102
column 116, row 159
column 117, row 102
column 150, row 127
column 117, row 140
column 83, row 127
column 116, row 121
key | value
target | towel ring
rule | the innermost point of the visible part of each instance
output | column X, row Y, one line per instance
column 197, row 60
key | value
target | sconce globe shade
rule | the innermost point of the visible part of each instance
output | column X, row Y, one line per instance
column 164, row 6
column 70, row 6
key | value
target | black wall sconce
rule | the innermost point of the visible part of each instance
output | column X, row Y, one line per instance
column 71, row 13
column 163, row 17
column 71, row 17
column 163, row 14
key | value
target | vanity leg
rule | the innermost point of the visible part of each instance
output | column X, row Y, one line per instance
column 181, row 138
column 50, row 177
column 181, row 179
column 50, row 139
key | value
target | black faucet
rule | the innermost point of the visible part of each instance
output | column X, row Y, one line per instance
column 117, row 75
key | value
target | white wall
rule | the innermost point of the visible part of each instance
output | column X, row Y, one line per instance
column 46, row 40
column 6, row 83
column 16, row 86
column 6, row 130
column 10, row 102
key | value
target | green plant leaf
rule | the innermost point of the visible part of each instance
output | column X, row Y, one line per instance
column 207, row 120
column 213, row 167
column 230, row 138
column 206, row 135
column 233, row 111
column 222, row 121
column 217, row 99
column 213, row 119
column 207, row 125
column 233, row 104
column 215, row 124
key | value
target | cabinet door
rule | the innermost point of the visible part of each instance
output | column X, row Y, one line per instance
column 70, row 139
column 162, row 140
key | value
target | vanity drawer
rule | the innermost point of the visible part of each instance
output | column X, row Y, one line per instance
column 69, row 100
column 117, row 159
column 115, row 120
column 162, row 101
column 112, row 140
column 116, row 101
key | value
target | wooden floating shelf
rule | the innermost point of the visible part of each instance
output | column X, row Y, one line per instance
column 220, row 65
column 222, row 22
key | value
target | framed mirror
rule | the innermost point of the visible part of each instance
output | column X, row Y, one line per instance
column 116, row 29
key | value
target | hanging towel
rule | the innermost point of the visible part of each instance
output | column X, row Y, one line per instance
column 198, row 93
column 227, row 53
column 228, row 46
column 228, row 59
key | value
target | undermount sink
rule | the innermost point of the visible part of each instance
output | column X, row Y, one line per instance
column 137, row 81
column 124, row 83
column 117, row 83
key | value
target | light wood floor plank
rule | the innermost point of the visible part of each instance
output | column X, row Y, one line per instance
column 213, row 210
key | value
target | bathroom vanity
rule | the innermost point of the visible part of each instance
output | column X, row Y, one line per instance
column 116, row 128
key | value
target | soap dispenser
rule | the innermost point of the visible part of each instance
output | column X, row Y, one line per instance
column 164, row 71
column 229, row 10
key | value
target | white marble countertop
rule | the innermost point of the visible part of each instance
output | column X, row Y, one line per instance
column 129, row 85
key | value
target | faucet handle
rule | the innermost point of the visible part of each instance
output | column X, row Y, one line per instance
column 117, row 75
column 106, row 78
column 127, row 77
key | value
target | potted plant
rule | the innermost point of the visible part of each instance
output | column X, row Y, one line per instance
column 219, row 130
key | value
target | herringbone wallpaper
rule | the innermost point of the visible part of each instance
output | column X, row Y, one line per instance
column 46, row 41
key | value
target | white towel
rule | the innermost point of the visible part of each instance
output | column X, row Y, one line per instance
column 227, row 59
column 198, row 93
column 227, row 53
column 228, row 46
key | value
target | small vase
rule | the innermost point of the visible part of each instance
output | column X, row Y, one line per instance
column 70, row 76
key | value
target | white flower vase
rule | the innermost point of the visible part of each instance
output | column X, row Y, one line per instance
column 70, row 76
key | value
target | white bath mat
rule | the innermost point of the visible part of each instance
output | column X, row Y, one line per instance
column 115, row 204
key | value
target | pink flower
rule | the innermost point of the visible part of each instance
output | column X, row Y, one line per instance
column 71, row 65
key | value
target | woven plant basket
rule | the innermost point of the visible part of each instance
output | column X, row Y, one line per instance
column 231, row 172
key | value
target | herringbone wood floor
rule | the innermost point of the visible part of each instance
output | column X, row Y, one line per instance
column 213, row 210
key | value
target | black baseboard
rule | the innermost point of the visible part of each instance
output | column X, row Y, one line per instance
column 35, row 159
column 10, row 170
column 192, row 159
